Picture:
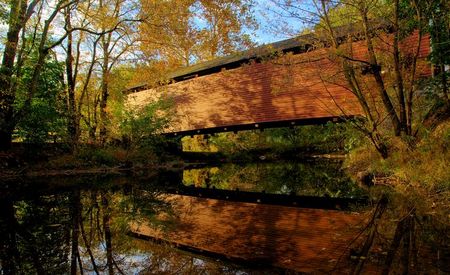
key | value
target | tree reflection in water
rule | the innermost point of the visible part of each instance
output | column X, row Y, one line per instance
column 84, row 231
column 35, row 235
column 315, row 178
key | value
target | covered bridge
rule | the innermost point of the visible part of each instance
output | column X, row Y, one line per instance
column 292, row 82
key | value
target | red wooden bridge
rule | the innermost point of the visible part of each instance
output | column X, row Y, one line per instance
column 287, row 83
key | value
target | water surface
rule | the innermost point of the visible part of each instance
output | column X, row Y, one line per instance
column 62, row 225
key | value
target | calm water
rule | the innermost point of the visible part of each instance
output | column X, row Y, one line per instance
column 59, row 225
column 308, row 178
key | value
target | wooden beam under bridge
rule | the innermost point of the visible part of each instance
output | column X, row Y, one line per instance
column 261, row 126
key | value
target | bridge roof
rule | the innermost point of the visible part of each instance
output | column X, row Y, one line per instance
column 296, row 44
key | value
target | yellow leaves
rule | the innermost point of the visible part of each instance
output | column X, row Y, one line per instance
column 102, row 15
column 186, row 31
column 167, row 33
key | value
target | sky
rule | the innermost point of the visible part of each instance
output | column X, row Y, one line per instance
column 266, row 32
column 269, row 24
column 273, row 27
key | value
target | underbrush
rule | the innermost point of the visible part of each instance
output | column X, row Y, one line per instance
column 424, row 166
column 420, row 176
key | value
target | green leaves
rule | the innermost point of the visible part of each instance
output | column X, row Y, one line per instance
column 44, row 120
column 3, row 11
column 143, row 126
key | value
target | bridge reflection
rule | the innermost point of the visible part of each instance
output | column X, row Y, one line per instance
column 293, row 238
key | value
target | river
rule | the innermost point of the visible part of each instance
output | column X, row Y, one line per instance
column 246, row 218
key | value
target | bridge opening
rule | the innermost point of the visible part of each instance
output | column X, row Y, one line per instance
column 330, row 137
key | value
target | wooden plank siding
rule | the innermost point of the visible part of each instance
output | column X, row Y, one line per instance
column 299, row 239
column 290, row 87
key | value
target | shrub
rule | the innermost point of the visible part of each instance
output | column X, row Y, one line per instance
column 143, row 127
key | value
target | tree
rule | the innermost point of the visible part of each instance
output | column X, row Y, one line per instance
column 45, row 121
column 20, row 12
column 168, row 34
column 31, row 30
column 179, row 33
column 108, row 39
column 391, row 75
column 11, row 66
column 437, row 13
column 113, row 45
column 225, row 21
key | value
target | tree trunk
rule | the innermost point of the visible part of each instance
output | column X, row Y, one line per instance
column 7, row 93
column 92, row 131
column 72, row 126
column 376, row 71
column 398, row 73
column 103, row 104
column 43, row 51
column 445, row 85
column 105, row 89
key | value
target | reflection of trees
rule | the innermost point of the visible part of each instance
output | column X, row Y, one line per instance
column 77, row 231
column 76, row 218
column 103, row 224
column 107, row 230
column 34, row 235
column 308, row 178
column 404, row 237
column 93, row 224
column 9, row 251
column 83, row 231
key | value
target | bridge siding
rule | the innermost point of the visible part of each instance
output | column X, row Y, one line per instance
column 292, row 87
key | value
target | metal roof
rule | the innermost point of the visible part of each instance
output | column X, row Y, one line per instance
column 297, row 44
